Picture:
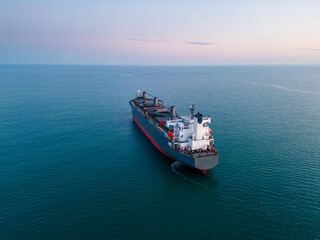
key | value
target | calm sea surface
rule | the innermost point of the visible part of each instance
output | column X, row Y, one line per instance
column 73, row 165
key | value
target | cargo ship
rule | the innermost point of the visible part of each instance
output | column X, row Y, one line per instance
column 185, row 139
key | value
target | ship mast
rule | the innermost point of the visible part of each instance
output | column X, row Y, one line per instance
column 191, row 111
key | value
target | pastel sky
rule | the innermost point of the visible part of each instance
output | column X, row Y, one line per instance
column 165, row 32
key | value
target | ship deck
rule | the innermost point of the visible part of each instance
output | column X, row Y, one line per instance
column 162, row 113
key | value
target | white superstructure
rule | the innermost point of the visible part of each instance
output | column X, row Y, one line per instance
column 191, row 133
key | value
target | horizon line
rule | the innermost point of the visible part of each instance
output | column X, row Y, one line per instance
column 160, row 65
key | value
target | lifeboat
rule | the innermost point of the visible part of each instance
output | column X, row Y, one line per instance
column 170, row 134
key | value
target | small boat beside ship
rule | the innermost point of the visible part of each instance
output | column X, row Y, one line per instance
column 186, row 139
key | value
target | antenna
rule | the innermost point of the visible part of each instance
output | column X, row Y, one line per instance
column 192, row 111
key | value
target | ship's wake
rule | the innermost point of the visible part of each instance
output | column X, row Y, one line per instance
column 283, row 88
column 175, row 168
column 181, row 170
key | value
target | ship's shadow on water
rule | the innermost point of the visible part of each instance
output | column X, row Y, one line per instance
column 189, row 175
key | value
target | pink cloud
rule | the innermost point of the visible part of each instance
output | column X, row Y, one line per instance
column 34, row 6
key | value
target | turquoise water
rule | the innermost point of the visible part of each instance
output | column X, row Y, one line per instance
column 73, row 165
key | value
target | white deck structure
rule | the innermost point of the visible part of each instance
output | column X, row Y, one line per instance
column 191, row 132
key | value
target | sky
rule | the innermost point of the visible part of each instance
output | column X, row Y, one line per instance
column 166, row 32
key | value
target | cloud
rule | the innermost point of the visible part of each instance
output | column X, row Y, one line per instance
column 307, row 49
column 145, row 40
column 34, row 6
column 200, row 43
column 162, row 41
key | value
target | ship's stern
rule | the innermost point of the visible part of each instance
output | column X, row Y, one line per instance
column 206, row 162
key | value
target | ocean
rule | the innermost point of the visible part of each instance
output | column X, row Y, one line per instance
column 73, row 165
